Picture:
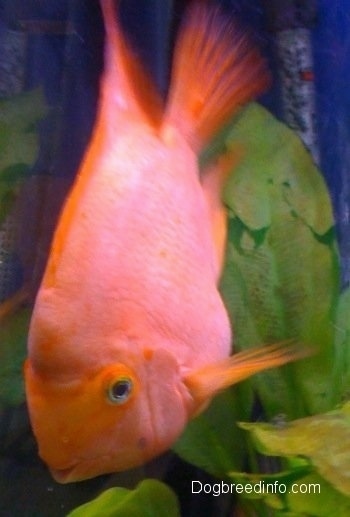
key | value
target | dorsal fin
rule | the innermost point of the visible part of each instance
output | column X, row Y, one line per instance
column 216, row 70
column 124, row 80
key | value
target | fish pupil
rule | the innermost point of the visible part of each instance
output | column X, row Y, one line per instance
column 120, row 390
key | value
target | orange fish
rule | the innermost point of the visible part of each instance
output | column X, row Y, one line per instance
column 129, row 337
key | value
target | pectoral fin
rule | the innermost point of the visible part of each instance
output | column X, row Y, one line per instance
column 207, row 381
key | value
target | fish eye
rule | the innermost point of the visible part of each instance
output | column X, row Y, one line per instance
column 119, row 391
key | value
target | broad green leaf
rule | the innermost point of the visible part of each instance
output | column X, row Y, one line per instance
column 269, row 489
column 324, row 440
column 313, row 496
column 270, row 154
column 281, row 280
column 150, row 498
column 18, row 141
column 292, row 493
column 13, row 337
column 279, row 164
column 342, row 343
column 281, row 275
column 213, row 441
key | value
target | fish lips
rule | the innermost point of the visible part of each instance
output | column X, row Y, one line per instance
column 83, row 470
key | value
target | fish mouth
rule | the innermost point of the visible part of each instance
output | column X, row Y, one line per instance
column 88, row 468
column 79, row 472
column 63, row 475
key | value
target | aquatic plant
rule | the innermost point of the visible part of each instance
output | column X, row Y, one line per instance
column 19, row 145
column 151, row 497
column 281, row 280
column 19, row 142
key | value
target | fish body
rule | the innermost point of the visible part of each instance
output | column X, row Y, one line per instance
column 131, row 287
column 129, row 336
column 140, row 252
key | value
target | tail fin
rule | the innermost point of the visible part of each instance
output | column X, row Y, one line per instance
column 124, row 79
column 215, row 71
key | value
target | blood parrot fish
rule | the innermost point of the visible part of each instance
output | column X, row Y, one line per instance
column 129, row 337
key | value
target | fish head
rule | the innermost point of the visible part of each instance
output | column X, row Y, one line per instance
column 112, row 419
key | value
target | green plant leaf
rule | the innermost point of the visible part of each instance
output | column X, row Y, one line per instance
column 281, row 280
column 18, row 141
column 281, row 275
column 269, row 489
column 324, row 440
column 13, row 339
column 342, row 343
column 315, row 497
column 150, row 498
column 294, row 493
column 213, row 441
column 18, row 116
